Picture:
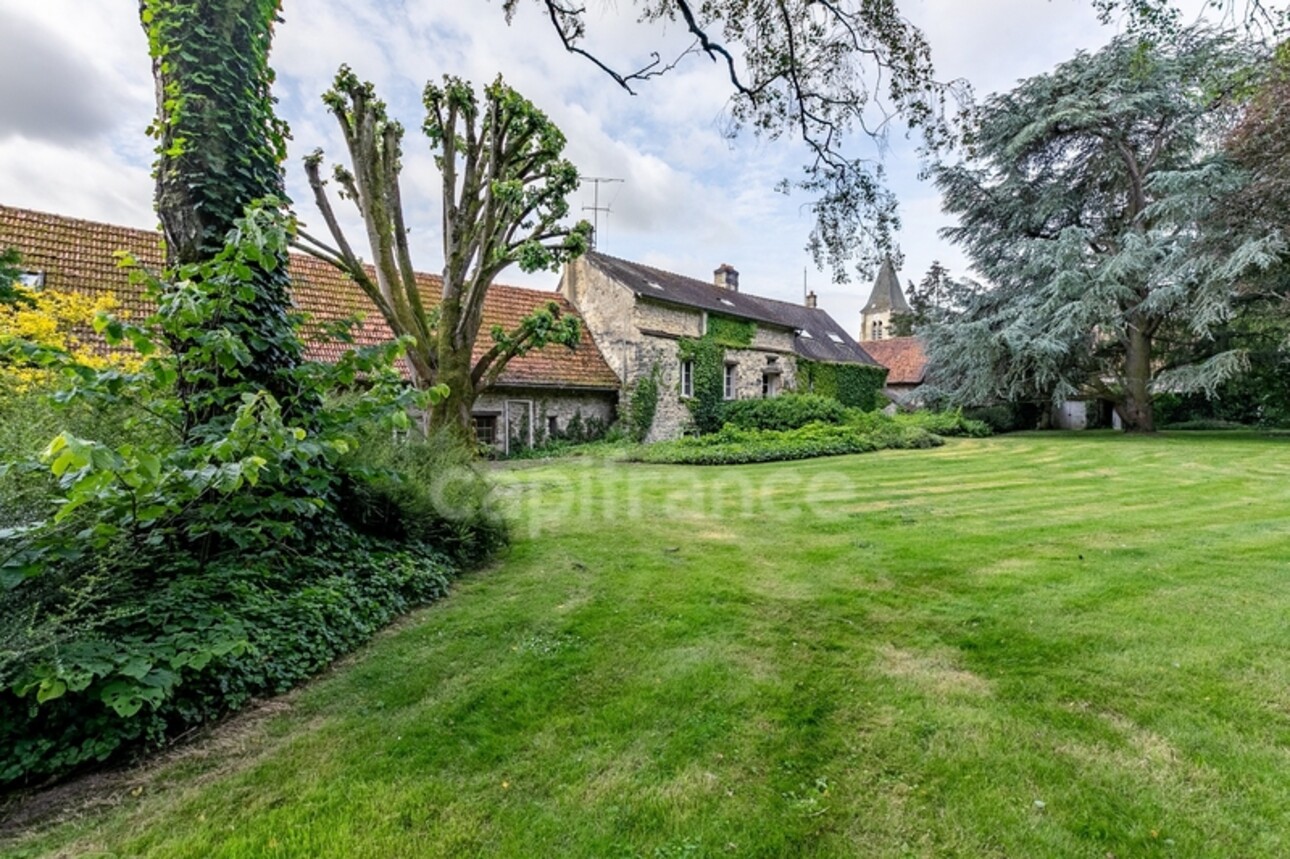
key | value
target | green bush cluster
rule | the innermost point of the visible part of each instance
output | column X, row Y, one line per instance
column 732, row 446
column 179, row 548
column 789, row 411
column 1008, row 417
column 186, row 648
column 947, row 423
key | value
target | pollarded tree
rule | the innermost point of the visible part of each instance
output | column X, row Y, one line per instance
column 504, row 190
column 1083, row 200
column 220, row 149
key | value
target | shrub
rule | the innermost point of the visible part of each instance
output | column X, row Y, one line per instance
column 186, row 649
column 425, row 490
column 1006, row 417
column 733, row 446
column 789, row 411
column 948, row 423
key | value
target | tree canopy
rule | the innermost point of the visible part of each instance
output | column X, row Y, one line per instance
column 505, row 184
column 1084, row 198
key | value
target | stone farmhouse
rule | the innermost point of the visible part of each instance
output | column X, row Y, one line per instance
column 634, row 319
column 639, row 315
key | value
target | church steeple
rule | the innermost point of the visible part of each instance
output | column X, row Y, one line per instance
column 886, row 299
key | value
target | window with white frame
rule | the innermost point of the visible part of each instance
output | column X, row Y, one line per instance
column 876, row 329
column 687, row 378
column 729, row 389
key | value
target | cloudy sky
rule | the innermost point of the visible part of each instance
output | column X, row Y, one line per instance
column 76, row 96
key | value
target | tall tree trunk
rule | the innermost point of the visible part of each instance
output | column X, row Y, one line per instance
column 1136, row 410
column 455, row 364
column 220, row 148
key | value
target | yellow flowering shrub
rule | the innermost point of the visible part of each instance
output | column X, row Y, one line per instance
column 61, row 320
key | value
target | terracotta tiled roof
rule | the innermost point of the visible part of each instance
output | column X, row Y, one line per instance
column 904, row 358
column 76, row 256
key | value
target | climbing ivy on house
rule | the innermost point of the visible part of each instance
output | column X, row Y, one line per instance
column 856, row 385
column 708, row 353
column 709, row 359
column 642, row 405
column 734, row 333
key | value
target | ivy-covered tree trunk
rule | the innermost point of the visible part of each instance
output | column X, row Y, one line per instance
column 220, row 149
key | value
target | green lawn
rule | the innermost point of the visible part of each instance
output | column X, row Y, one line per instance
column 1028, row 646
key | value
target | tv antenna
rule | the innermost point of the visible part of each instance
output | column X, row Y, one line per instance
column 595, row 208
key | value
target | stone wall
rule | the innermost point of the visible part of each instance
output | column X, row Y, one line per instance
column 668, row 319
column 607, row 310
column 751, row 365
column 511, row 407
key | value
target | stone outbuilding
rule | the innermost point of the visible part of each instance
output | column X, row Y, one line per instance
column 538, row 394
column 640, row 316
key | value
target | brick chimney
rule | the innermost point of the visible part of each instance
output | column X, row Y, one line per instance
column 725, row 277
column 810, row 299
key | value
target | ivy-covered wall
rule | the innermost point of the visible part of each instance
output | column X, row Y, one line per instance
column 709, row 356
column 856, row 385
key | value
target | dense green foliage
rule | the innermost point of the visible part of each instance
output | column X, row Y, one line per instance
column 220, row 148
column 854, row 385
column 788, row 411
column 708, row 354
column 730, row 332
column 732, row 446
column 159, row 570
column 708, row 396
column 504, row 188
column 1086, row 198
column 804, row 427
column 178, row 650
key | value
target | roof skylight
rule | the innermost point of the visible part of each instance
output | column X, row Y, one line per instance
column 654, row 284
column 807, row 334
column 727, row 302
column 835, row 338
